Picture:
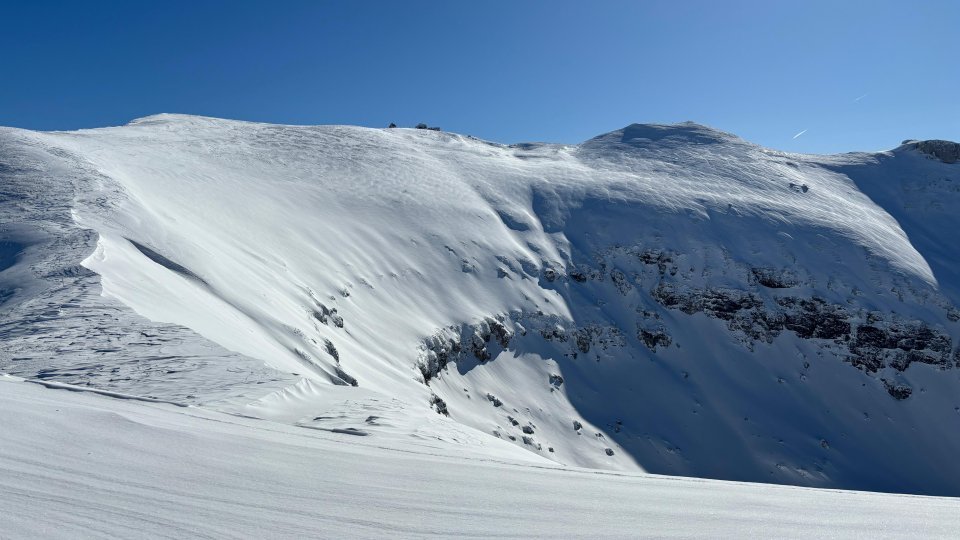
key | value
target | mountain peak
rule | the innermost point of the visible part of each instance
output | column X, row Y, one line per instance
column 683, row 133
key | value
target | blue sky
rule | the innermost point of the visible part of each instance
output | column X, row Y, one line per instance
column 856, row 75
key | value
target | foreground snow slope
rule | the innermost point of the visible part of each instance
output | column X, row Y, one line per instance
column 132, row 469
column 662, row 298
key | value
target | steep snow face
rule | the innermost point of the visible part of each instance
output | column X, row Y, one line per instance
column 670, row 298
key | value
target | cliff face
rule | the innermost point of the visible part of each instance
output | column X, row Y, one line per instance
column 670, row 298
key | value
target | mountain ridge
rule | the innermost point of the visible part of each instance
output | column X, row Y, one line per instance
column 623, row 303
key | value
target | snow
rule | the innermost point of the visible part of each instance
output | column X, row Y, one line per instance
column 79, row 465
column 255, row 272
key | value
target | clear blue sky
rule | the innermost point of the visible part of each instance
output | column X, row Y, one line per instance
column 857, row 75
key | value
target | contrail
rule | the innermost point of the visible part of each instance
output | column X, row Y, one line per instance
column 859, row 98
column 799, row 134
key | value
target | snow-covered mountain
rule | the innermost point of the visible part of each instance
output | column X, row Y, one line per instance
column 670, row 299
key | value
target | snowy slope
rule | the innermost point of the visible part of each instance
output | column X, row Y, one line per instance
column 129, row 469
column 662, row 298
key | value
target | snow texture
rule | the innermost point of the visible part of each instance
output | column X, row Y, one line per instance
column 123, row 469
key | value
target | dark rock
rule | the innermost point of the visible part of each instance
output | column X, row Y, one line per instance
column 331, row 350
column 583, row 340
column 325, row 315
column 654, row 256
column 654, row 338
column 773, row 278
column 945, row 151
column 814, row 318
column 347, row 378
column 439, row 405
column 898, row 391
column 500, row 332
column 554, row 333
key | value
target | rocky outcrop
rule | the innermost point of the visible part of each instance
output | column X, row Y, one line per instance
column 452, row 343
column 881, row 343
column 945, row 151
column 757, row 304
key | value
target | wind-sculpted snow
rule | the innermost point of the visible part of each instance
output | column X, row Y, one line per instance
column 665, row 298
column 54, row 322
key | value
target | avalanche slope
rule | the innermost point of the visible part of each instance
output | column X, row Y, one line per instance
column 670, row 299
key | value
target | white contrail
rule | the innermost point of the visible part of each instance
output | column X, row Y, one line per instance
column 799, row 134
column 859, row 98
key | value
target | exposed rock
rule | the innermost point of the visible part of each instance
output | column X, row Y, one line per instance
column 899, row 345
column 554, row 333
column 662, row 259
column 814, row 318
column 717, row 302
column 331, row 350
column 346, row 377
column 654, row 338
column 439, row 405
column 439, row 350
column 326, row 315
column 773, row 278
column 897, row 390
column 578, row 276
column 945, row 151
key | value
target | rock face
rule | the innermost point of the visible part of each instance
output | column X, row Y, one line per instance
column 945, row 151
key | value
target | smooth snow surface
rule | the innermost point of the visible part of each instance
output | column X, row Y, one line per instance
column 668, row 299
column 126, row 469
